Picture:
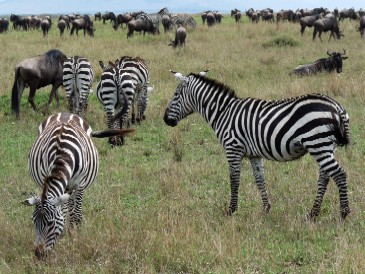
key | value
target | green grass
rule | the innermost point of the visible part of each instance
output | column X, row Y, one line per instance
column 158, row 202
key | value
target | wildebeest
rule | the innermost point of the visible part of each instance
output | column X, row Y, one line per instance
column 61, row 25
column 37, row 72
column 122, row 19
column 237, row 16
column 324, row 25
column 19, row 22
column 45, row 26
column 347, row 13
column 284, row 15
column 308, row 21
column 67, row 20
column 180, row 37
column 362, row 26
column 97, row 16
column 109, row 16
column 166, row 23
column 329, row 64
column 83, row 23
column 142, row 23
column 4, row 25
column 234, row 12
column 210, row 19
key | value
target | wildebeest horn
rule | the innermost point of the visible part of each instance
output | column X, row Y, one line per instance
column 344, row 52
column 328, row 52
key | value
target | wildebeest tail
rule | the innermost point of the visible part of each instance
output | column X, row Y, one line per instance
column 112, row 132
column 15, row 94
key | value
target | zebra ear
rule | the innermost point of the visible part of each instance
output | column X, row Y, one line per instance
column 32, row 201
column 57, row 201
column 180, row 77
column 204, row 72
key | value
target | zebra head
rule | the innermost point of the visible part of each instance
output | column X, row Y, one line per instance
column 179, row 106
column 48, row 222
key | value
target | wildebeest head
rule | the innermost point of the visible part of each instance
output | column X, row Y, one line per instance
column 337, row 58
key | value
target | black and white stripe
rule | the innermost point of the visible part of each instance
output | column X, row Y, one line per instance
column 281, row 130
column 138, row 69
column 116, row 90
column 64, row 162
column 78, row 77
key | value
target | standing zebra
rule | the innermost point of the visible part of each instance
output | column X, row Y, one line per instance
column 64, row 162
column 78, row 77
column 116, row 89
column 281, row 130
column 138, row 69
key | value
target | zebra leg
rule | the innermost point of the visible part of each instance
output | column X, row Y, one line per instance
column 111, row 124
column 258, row 172
column 75, row 208
column 235, row 170
column 323, row 180
column 331, row 167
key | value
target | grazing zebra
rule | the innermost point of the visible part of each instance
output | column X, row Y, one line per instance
column 280, row 130
column 64, row 162
column 78, row 77
column 116, row 89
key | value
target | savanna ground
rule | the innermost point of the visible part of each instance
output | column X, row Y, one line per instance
column 158, row 203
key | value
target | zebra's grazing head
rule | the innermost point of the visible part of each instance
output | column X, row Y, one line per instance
column 180, row 106
column 48, row 222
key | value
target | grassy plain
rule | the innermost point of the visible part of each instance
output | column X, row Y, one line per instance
column 158, row 202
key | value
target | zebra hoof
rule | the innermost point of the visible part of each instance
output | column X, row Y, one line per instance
column 266, row 208
column 345, row 212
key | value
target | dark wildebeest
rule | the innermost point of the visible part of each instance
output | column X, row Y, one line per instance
column 83, row 23
column 234, row 12
column 37, row 72
column 324, row 25
column 332, row 63
column 141, row 24
column 97, row 16
column 45, row 26
column 122, row 19
column 238, row 16
column 67, row 20
column 308, row 21
column 19, row 22
column 180, row 37
column 284, row 15
column 4, row 25
column 166, row 23
column 362, row 26
column 347, row 13
column 109, row 16
column 61, row 25
column 210, row 19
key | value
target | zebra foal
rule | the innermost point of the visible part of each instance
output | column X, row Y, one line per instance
column 281, row 130
column 78, row 77
column 64, row 162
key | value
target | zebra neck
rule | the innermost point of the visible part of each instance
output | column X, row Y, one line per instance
column 54, row 185
column 212, row 106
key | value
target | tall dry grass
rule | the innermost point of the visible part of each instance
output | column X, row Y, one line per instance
column 158, row 202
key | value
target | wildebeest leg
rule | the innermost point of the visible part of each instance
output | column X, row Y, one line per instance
column 53, row 93
column 319, row 35
column 302, row 30
column 32, row 89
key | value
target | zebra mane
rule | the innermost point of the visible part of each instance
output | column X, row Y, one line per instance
column 45, row 189
column 222, row 88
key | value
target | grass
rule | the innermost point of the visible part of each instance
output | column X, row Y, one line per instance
column 158, row 202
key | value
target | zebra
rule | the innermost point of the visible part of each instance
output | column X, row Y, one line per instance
column 116, row 88
column 64, row 162
column 78, row 77
column 138, row 69
column 280, row 130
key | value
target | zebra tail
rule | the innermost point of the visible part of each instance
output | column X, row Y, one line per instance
column 342, row 130
column 14, row 94
column 124, row 108
column 113, row 132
